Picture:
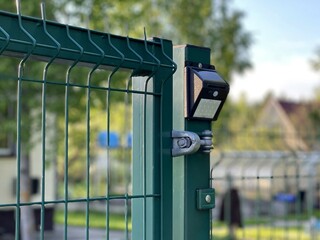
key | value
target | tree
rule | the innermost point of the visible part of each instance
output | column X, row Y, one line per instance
column 315, row 113
column 315, row 64
column 205, row 23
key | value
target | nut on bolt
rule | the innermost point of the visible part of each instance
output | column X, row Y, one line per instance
column 183, row 142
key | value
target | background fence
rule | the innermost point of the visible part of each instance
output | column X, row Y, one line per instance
column 266, row 195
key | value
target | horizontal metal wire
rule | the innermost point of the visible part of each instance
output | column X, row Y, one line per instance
column 93, row 199
column 263, row 177
column 84, row 86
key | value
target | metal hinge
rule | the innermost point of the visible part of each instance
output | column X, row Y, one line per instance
column 185, row 142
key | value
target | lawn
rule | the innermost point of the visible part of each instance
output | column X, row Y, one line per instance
column 96, row 219
column 220, row 232
column 262, row 233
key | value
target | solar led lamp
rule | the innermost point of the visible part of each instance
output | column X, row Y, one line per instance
column 206, row 93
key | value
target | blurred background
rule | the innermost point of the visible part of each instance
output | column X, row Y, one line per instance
column 269, row 52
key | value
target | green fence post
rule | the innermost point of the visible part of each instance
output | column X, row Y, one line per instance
column 191, row 172
column 152, row 161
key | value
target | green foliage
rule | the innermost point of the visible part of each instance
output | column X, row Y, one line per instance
column 30, row 7
column 213, row 24
column 237, row 119
column 205, row 23
column 315, row 62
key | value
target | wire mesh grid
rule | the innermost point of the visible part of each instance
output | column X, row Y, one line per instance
column 266, row 195
column 71, row 84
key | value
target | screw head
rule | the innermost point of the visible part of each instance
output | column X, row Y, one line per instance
column 200, row 65
column 208, row 198
column 215, row 93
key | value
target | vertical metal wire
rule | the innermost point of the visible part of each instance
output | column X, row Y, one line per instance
column 19, row 92
column 288, row 164
column 108, row 134
column 298, row 205
column 275, row 166
column 210, row 215
column 66, row 124
column 270, row 195
column 316, row 190
column 7, row 41
column 174, row 69
column 311, row 201
column 95, row 67
column 258, row 197
column 248, row 162
column 227, row 205
column 145, row 137
column 43, row 118
column 219, row 161
column 127, row 180
column 126, row 174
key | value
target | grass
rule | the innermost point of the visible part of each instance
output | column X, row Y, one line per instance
column 220, row 231
column 262, row 233
column 96, row 220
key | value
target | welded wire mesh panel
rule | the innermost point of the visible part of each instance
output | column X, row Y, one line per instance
column 81, row 144
column 266, row 195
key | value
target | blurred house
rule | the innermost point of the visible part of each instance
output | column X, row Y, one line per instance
column 8, row 173
column 295, row 125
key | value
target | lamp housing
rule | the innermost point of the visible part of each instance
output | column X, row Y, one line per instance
column 206, row 93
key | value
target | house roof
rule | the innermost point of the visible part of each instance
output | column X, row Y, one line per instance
column 301, row 112
column 291, row 107
column 295, row 118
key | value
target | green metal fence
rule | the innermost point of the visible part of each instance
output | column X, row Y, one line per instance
column 64, row 93
column 59, row 83
column 266, row 195
column 69, row 83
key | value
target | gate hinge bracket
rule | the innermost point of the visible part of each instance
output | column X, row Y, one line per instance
column 184, row 142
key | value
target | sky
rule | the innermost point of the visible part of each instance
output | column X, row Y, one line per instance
column 286, row 34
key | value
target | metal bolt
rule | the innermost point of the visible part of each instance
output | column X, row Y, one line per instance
column 215, row 93
column 200, row 65
column 208, row 198
column 182, row 142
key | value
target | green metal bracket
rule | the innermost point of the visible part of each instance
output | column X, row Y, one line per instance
column 205, row 199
